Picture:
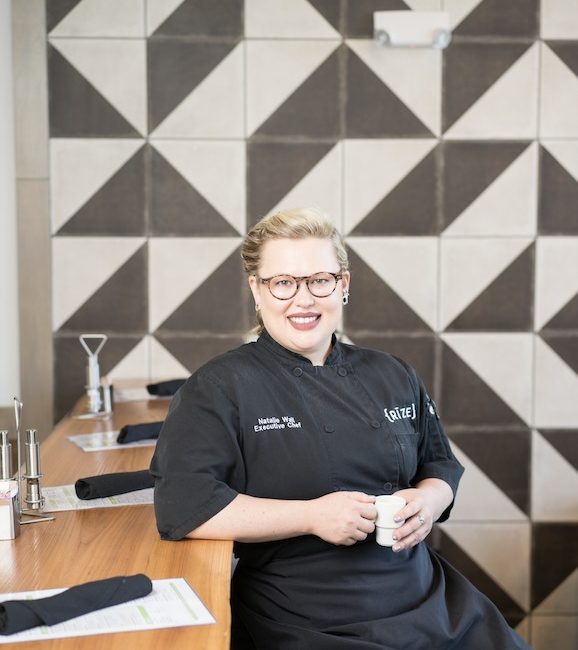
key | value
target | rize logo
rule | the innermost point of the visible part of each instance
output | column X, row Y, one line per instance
column 400, row 413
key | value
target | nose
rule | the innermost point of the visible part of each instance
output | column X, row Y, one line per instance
column 303, row 295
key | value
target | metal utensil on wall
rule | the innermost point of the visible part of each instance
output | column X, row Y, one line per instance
column 99, row 398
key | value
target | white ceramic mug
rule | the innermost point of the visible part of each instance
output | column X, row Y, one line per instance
column 387, row 506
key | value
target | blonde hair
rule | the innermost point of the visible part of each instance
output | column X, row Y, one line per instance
column 300, row 223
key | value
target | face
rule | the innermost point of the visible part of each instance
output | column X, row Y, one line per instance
column 304, row 323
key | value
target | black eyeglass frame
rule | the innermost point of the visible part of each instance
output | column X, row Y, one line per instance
column 298, row 281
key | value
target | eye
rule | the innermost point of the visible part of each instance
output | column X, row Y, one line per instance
column 320, row 282
column 282, row 281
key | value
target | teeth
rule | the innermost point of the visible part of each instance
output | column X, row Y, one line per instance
column 302, row 320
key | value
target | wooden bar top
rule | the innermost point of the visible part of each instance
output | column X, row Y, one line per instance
column 80, row 546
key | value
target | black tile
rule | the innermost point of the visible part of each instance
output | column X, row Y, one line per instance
column 76, row 108
column 565, row 346
column 70, row 361
column 469, row 70
column 176, row 208
column 565, row 441
column 558, row 198
column 498, row 18
column 359, row 15
column 273, row 169
column 220, row 305
column 411, row 208
column 331, row 10
column 56, row 10
column 554, row 557
column 504, row 456
column 566, row 318
column 120, row 304
column 469, row 168
column 567, row 52
column 372, row 109
column 118, row 207
column 175, row 68
column 506, row 304
column 194, row 351
column 467, row 400
column 374, row 307
column 418, row 351
column 313, row 110
column 204, row 18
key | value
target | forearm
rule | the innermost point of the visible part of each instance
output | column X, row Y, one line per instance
column 253, row 519
column 439, row 495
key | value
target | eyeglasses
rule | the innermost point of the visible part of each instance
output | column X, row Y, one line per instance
column 285, row 287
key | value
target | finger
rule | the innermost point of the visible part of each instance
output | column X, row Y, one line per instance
column 360, row 536
column 366, row 526
column 361, row 496
column 409, row 510
column 369, row 512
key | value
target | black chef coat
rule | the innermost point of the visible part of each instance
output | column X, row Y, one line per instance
column 262, row 420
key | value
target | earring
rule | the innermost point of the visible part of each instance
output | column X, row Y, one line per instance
column 345, row 298
column 257, row 307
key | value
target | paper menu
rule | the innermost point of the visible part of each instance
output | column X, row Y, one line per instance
column 172, row 603
column 106, row 441
column 63, row 497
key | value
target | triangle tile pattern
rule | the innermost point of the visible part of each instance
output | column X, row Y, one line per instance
column 158, row 11
column 177, row 208
column 70, row 365
column 558, row 95
column 163, row 364
column 299, row 19
column 454, row 553
column 273, row 169
column 565, row 346
column 509, row 469
column 76, row 108
column 376, row 307
column 209, row 308
column 56, row 10
column 470, row 168
column 558, row 19
column 372, row 109
column 566, row 318
column 566, row 52
column 175, row 69
column 549, row 569
column 469, row 70
column 488, row 18
column 90, row 18
column 204, row 18
column 311, row 110
column 118, row 207
column 490, row 551
column 119, row 305
column 330, row 10
column 563, row 600
column 458, row 10
column 359, row 15
column 467, row 400
column 411, row 207
column 135, row 364
column 194, row 351
column 559, row 193
column 506, row 304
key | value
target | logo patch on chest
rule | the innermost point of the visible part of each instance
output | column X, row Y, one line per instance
column 284, row 422
column 400, row 413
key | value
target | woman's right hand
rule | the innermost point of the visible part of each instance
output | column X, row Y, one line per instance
column 343, row 518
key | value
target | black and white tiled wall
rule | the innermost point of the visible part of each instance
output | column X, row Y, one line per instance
column 175, row 124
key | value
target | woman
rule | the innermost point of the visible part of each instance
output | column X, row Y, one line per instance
column 282, row 445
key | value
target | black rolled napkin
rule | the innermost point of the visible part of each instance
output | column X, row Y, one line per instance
column 19, row 615
column 108, row 485
column 135, row 432
column 165, row 388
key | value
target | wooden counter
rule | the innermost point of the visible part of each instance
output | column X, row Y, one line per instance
column 80, row 546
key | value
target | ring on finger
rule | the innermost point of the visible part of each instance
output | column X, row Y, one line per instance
column 421, row 520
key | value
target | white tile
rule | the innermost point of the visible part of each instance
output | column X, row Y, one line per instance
column 504, row 361
column 555, row 390
column 508, row 109
column 556, row 258
column 116, row 68
column 408, row 265
column 216, row 169
column 215, row 108
column 81, row 265
column 321, row 188
column 79, row 168
column 414, row 75
column 372, row 168
column 565, row 152
column 103, row 18
column 554, row 632
column 275, row 69
column 558, row 97
column 163, row 364
column 178, row 266
column 508, row 206
column 135, row 365
column 559, row 19
column 469, row 507
column 501, row 550
column 282, row 19
column 469, row 266
column 158, row 11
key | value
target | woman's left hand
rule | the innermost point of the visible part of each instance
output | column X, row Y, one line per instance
column 425, row 503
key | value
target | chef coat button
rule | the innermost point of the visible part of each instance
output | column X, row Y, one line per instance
column 297, row 372
column 375, row 424
column 329, row 428
column 342, row 372
column 387, row 486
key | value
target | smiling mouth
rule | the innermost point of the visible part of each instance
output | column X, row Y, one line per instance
column 304, row 322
